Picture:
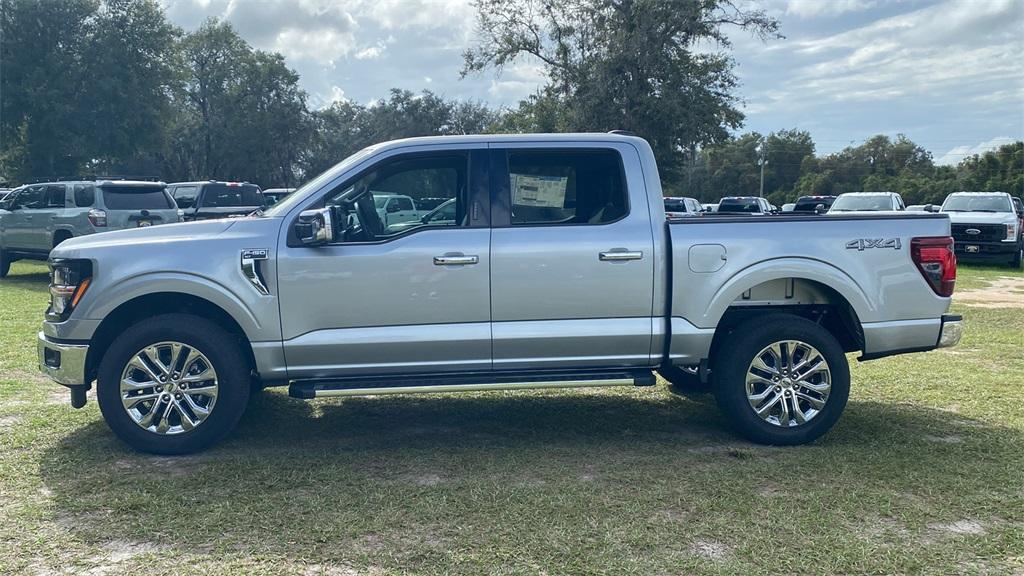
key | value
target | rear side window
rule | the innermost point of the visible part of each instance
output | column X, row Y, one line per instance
column 55, row 196
column 225, row 196
column 136, row 198
column 566, row 187
column 85, row 195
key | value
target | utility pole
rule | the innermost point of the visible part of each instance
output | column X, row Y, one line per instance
column 762, row 149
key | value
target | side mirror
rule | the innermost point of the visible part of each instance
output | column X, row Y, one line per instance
column 393, row 207
column 930, row 208
column 315, row 227
column 185, row 202
column 820, row 209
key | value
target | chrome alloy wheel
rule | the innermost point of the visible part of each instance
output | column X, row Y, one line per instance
column 169, row 388
column 788, row 383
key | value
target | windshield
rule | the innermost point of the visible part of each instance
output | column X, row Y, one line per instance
column 810, row 204
column 973, row 203
column 739, row 205
column 230, row 196
column 295, row 197
column 136, row 198
column 675, row 206
column 868, row 203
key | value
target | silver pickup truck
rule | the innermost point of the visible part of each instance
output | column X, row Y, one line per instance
column 558, row 270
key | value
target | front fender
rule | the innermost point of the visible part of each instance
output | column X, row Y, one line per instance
column 240, row 308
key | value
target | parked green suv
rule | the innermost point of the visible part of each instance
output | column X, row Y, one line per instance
column 36, row 217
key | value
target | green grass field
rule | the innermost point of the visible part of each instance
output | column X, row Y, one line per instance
column 924, row 474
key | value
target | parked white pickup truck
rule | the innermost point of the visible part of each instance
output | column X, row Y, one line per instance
column 557, row 269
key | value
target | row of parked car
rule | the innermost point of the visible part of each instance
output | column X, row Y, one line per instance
column 37, row 217
column 986, row 226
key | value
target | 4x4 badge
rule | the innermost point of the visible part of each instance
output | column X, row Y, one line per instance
column 862, row 244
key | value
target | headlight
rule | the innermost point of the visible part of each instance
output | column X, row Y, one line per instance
column 1011, row 231
column 69, row 279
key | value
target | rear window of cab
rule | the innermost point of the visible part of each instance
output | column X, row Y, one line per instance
column 225, row 196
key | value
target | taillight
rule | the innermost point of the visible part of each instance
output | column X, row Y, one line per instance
column 98, row 218
column 935, row 259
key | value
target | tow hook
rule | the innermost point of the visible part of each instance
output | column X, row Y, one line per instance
column 78, row 395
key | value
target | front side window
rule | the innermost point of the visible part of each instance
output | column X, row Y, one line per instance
column 380, row 204
column 566, row 187
column 33, row 197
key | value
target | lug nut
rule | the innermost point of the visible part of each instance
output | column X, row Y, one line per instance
column 159, row 388
column 163, row 378
column 177, row 396
column 165, row 397
column 778, row 388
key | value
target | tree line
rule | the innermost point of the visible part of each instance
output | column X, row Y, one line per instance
column 111, row 87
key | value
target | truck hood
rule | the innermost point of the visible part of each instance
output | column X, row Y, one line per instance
column 163, row 234
column 981, row 217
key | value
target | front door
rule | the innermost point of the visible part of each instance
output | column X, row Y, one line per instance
column 26, row 216
column 572, row 258
column 408, row 298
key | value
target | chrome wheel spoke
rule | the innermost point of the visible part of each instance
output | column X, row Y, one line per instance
column 797, row 385
column 132, row 401
column 179, row 391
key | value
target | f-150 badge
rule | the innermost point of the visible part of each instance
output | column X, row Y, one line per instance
column 862, row 244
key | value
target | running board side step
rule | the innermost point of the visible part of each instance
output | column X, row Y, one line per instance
column 309, row 389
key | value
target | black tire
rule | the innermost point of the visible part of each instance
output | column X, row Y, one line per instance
column 5, row 263
column 1017, row 262
column 684, row 381
column 738, row 350
column 220, row 347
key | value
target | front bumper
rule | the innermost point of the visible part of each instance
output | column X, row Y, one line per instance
column 967, row 250
column 62, row 362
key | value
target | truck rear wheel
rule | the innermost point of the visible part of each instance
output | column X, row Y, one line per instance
column 781, row 379
column 173, row 384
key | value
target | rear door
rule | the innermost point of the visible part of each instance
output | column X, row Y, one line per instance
column 572, row 262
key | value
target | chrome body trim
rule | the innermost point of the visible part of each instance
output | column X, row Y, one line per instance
column 475, row 387
column 71, row 371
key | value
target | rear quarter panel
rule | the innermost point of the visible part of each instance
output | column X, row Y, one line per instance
column 882, row 285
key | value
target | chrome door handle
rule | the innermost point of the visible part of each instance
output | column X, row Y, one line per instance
column 455, row 260
column 615, row 256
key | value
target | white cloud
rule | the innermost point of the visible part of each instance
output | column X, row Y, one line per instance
column 958, row 153
column 517, row 81
column 829, row 8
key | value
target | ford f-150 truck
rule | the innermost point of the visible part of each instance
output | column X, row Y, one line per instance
column 558, row 269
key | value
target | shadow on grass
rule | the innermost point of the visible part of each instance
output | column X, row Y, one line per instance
column 386, row 469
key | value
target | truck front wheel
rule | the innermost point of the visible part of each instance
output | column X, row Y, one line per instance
column 781, row 379
column 173, row 384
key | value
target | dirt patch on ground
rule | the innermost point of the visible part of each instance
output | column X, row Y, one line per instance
column 1003, row 292
column 710, row 550
column 9, row 421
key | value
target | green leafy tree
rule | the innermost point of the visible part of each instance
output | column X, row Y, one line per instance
column 623, row 64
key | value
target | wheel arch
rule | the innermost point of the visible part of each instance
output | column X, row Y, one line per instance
column 139, row 308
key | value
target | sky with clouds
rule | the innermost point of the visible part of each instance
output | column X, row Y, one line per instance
column 947, row 73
